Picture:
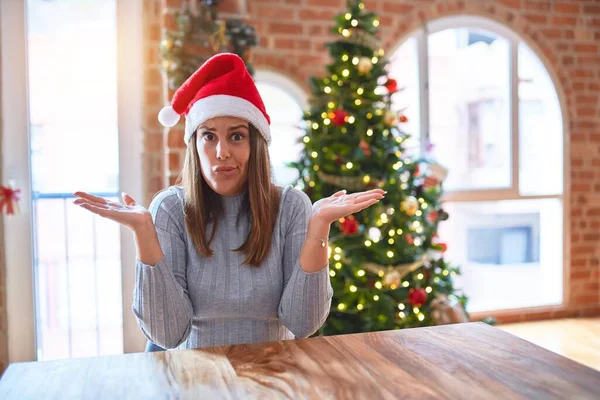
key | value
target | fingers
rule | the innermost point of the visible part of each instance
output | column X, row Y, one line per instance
column 365, row 204
column 366, row 192
column 128, row 200
column 84, row 202
column 101, row 211
column 369, row 195
column 91, row 197
column 340, row 193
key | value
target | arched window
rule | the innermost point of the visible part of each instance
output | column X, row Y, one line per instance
column 483, row 104
column 285, row 102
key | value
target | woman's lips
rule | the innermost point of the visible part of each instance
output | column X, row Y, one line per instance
column 226, row 171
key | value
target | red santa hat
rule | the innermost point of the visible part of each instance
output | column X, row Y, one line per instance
column 221, row 87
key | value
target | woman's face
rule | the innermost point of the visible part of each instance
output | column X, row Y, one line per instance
column 224, row 150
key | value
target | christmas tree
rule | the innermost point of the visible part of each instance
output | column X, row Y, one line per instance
column 386, row 263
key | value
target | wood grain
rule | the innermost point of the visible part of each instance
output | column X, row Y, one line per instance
column 462, row 361
column 574, row 338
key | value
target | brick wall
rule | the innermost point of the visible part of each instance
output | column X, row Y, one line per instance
column 565, row 35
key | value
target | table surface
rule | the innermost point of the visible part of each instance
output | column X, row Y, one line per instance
column 470, row 361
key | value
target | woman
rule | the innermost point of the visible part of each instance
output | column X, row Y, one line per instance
column 226, row 256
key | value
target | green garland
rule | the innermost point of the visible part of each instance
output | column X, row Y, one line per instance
column 199, row 27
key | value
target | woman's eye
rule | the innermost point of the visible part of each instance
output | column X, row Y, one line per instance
column 237, row 136
column 208, row 136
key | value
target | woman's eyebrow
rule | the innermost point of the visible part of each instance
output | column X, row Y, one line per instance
column 231, row 128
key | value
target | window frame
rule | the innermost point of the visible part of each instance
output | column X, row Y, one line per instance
column 18, row 229
column 511, row 193
column 286, row 84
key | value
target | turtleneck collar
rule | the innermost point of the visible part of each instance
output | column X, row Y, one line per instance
column 233, row 204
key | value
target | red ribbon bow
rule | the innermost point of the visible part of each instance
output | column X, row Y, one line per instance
column 8, row 199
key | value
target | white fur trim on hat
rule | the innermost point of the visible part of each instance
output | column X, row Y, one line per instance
column 223, row 105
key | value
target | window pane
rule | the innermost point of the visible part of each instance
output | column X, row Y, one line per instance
column 286, row 117
column 510, row 252
column 72, row 95
column 540, row 129
column 72, row 64
column 404, row 68
column 470, row 107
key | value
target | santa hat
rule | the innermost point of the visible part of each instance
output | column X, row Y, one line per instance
column 221, row 87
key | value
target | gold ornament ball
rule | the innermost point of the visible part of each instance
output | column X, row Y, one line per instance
column 390, row 118
column 392, row 278
column 410, row 205
column 364, row 65
column 166, row 44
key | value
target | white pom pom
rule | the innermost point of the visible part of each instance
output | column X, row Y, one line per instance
column 168, row 117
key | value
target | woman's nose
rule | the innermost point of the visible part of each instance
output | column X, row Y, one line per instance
column 222, row 151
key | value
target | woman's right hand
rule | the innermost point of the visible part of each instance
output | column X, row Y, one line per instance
column 130, row 214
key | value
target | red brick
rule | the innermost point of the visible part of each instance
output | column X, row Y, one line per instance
column 588, row 60
column 174, row 161
column 537, row 5
column 586, row 175
column 397, row 7
column 580, row 275
column 590, row 311
column 281, row 13
column 564, row 21
column 317, row 14
column 173, row 179
column 156, row 185
column 585, row 47
column 316, row 30
column 231, row 7
column 338, row 4
column 566, row 7
column 286, row 28
column 591, row 286
column 154, row 143
column 579, row 262
column 591, row 99
column 591, row 9
column 386, row 20
column 536, row 19
column 153, row 77
column 582, row 73
column 591, row 237
column 581, row 187
column 169, row 22
column 568, row 60
column 175, row 138
column 593, row 212
column 583, row 250
column 584, row 299
column 552, row 33
column 586, row 112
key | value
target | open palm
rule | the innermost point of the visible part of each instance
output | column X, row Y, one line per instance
column 340, row 204
column 130, row 214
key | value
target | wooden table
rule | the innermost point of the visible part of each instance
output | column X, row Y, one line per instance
column 468, row 361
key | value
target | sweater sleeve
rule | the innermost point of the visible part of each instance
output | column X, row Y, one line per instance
column 306, row 298
column 161, row 301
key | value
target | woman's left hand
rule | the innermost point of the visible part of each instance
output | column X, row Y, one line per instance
column 340, row 204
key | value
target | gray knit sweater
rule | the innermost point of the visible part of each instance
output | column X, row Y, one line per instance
column 188, row 301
